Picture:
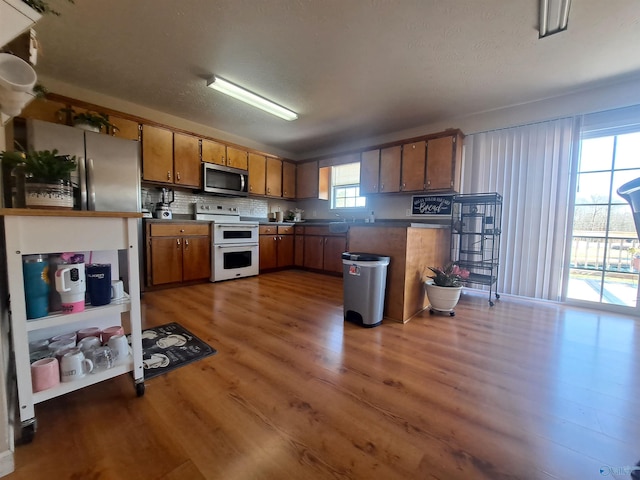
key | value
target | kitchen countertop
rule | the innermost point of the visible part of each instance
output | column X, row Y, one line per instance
column 316, row 223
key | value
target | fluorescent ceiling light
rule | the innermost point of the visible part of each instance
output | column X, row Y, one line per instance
column 251, row 98
column 554, row 16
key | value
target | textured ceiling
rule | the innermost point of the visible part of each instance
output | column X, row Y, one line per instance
column 350, row 69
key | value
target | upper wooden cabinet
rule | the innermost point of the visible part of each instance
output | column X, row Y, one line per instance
column 186, row 160
column 444, row 162
column 257, row 174
column 413, row 166
column 369, row 171
column 274, row 177
column 45, row 110
column 288, row 180
column 390, row 165
column 125, row 128
column 214, row 152
column 237, row 158
column 157, row 154
column 307, row 180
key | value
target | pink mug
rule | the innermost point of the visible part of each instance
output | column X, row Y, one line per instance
column 45, row 374
column 90, row 332
column 109, row 332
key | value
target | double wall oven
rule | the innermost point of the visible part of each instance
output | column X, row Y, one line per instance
column 234, row 245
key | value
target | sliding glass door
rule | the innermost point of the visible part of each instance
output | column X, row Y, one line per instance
column 605, row 250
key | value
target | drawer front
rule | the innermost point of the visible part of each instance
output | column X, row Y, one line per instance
column 177, row 229
column 285, row 230
column 268, row 229
column 316, row 230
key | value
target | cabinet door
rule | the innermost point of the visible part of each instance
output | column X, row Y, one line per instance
column 440, row 166
column 274, row 177
column 285, row 250
column 369, row 171
column 268, row 252
column 157, row 154
column 334, row 247
column 237, row 158
column 390, row 164
column 186, row 160
column 45, row 110
column 196, row 258
column 307, row 180
column 257, row 174
column 125, row 128
column 313, row 251
column 288, row 180
column 298, row 255
column 214, row 152
column 166, row 260
column 413, row 166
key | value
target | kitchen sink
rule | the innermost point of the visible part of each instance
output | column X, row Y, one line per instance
column 338, row 227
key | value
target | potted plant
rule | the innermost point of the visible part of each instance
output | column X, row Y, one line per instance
column 444, row 288
column 92, row 121
column 42, row 178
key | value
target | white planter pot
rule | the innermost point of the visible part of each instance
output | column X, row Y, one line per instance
column 86, row 126
column 442, row 299
column 49, row 195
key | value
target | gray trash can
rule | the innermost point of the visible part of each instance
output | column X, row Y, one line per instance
column 364, row 280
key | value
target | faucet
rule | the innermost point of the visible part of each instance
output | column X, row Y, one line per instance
column 343, row 218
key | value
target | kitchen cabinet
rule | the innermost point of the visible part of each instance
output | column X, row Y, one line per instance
column 274, row 177
column 288, row 180
column 178, row 252
column 444, row 162
column 298, row 247
column 29, row 232
column 369, row 171
column 237, row 158
column 413, row 166
column 43, row 109
column 276, row 246
column 257, row 174
column 323, row 249
column 307, row 180
column 214, row 152
column 380, row 170
column 186, row 160
column 125, row 128
column 157, row 154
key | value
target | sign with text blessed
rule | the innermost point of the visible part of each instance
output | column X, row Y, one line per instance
column 431, row 204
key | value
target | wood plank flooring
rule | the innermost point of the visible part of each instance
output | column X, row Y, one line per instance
column 523, row 390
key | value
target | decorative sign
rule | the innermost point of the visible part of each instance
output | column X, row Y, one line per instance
column 431, row 205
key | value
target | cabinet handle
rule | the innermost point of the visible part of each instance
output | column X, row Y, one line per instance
column 168, row 175
column 186, row 243
column 178, row 176
column 251, row 188
column 177, row 242
column 275, row 239
column 404, row 185
column 268, row 190
column 182, row 230
column 428, row 182
column 279, row 238
column 325, row 241
column 381, row 186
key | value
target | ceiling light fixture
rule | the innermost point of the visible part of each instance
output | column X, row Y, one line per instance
column 239, row 93
column 554, row 16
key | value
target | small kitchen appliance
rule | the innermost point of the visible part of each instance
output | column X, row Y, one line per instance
column 163, row 208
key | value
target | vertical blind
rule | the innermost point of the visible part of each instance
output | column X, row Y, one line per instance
column 530, row 167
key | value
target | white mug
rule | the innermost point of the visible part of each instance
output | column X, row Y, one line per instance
column 119, row 346
column 87, row 343
column 117, row 289
column 74, row 366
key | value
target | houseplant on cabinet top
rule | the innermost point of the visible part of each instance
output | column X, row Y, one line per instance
column 42, row 178
column 444, row 288
column 92, row 121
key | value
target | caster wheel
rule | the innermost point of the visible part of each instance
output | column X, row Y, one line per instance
column 431, row 312
column 491, row 303
column 140, row 389
column 452, row 314
column 497, row 296
column 27, row 433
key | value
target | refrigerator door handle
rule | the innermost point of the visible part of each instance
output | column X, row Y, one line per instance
column 91, row 186
column 82, row 182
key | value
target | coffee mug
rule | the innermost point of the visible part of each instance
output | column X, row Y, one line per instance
column 61, row 345
column 45, row 374
column 99, row 283
column 90, row 332
column 70, row 336
column 109, row 332
column 103, row 358
column 119, row 346
column 70, row 283
column 87, row 343
column 74, row 366
column 117, row 289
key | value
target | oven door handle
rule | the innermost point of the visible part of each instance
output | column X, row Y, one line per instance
column 238, row 245
column 234, row 225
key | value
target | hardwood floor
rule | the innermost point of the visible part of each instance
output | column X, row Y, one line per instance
column 523, row 390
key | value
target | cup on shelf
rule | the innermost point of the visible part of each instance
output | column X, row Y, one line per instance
column 109, row 332
column 70, row 283
column 103, row 358
column 89, row 332
column 36, row 285
column 99, row 283
column 117, row 289
column 45, row 374
column 74, row 365
column 119, row 346
column 60, row 345
column 70, row 336
column 88, row 343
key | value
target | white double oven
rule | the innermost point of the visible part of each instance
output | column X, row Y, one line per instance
column 234, row 245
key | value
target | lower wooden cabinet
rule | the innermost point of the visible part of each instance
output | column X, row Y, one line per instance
column 323, row 250
column 276, row 246
column 177, row 253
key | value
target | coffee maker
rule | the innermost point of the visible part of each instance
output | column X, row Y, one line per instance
column 163, row 208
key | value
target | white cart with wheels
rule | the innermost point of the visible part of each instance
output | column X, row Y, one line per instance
column 29, row 232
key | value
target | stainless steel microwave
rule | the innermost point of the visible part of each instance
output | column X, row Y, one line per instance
column 221, row 180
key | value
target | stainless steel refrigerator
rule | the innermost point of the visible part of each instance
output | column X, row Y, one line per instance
column 108, row 174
